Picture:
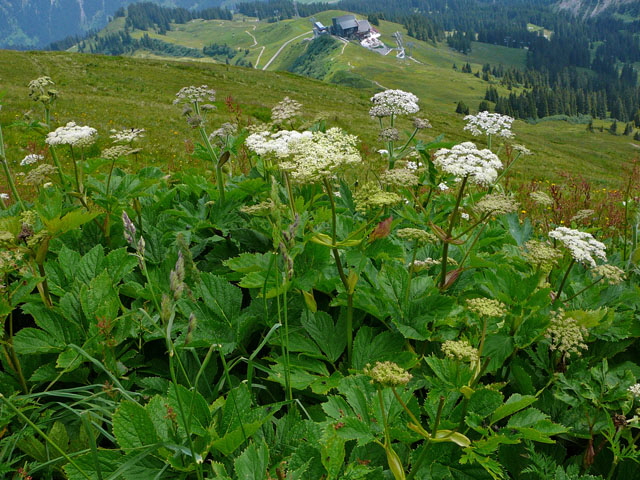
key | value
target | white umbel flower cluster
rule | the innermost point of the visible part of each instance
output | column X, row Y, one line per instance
column 193, row 94
column 72, row 134
column 466, row 160
column 485, row 123
column 276, row 143
column 127, row 135
column 321, row 155
column 635, row 390
column 582, row 245
column 31, row 159
column 286, row 109
column 393, row 102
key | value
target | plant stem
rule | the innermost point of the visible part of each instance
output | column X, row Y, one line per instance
column 564, row 280
column 413, row 260
column 214, row 158
column 343, row 277
column 445, row 247
column 45, row 286
column 75, row 171
column 436, row 424
column 5, row 167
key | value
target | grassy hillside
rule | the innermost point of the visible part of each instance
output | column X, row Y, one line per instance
column 119, row 92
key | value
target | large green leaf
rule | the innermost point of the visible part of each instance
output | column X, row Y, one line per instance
column 330, row 337
column 191, row 409
column 132, row 426
column 252, row 464
column 515, row 403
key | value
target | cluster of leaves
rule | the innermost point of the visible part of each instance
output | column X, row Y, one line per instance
column 167, row 326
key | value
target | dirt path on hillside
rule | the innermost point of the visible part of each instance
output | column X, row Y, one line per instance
column 282, row 48
column 259, row 56
column 255, row 41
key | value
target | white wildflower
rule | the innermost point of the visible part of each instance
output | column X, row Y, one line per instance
column 320, row 155
column 466, row 160
column 635, row 390
column 382, row 151
column 285, row 110
column 127, row 135
column 413, row 166
column 393, row 102
column 4, row 196
column 277, row 143
column 31, row 159
column 72, row 134
column 194, row 94
column 582, row 245
column 443, row 186
column 485, row 123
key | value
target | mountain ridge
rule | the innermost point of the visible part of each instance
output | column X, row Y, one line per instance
column 56, row 19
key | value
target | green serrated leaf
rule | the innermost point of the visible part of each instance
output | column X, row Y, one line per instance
column 253, row 462
column 515, row 403
column 133, row 427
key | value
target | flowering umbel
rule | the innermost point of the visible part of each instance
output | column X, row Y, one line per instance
column 393, row 102
column 485, row 123
column 582, row 246
column 73, row 135
column 466, row 160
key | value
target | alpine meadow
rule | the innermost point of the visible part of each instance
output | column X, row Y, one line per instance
column 275, row 240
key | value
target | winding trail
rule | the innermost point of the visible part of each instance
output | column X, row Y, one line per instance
column 255, row 42
column 282, row 48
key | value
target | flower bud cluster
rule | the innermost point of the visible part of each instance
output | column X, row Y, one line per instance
column 40, row 90
column 566, row 335
column 460, row 350
column 370, row 196
column 541, row 198
column 486, row 307
column 540, row 254
column 497, row 204
column 612, row 274
column 416, row 234
column 388, row 374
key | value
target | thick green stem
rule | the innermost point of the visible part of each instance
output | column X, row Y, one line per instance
column 45, row 286
column 564, row 280
column 408, row 288
column 452, row 221
column 214, row 158
column 436, row 424
column 56, row 161
column 75, row 171
column 343, row 277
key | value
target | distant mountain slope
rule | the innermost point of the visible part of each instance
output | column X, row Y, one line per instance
column 36, row 23
column 592, row 8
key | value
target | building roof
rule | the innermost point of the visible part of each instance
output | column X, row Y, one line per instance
column 319, row 25
column 346, row 21
column 363, row 26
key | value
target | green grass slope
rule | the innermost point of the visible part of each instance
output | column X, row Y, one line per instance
column 118, row 92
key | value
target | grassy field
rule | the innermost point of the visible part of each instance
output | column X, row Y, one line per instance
column 110, row 92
